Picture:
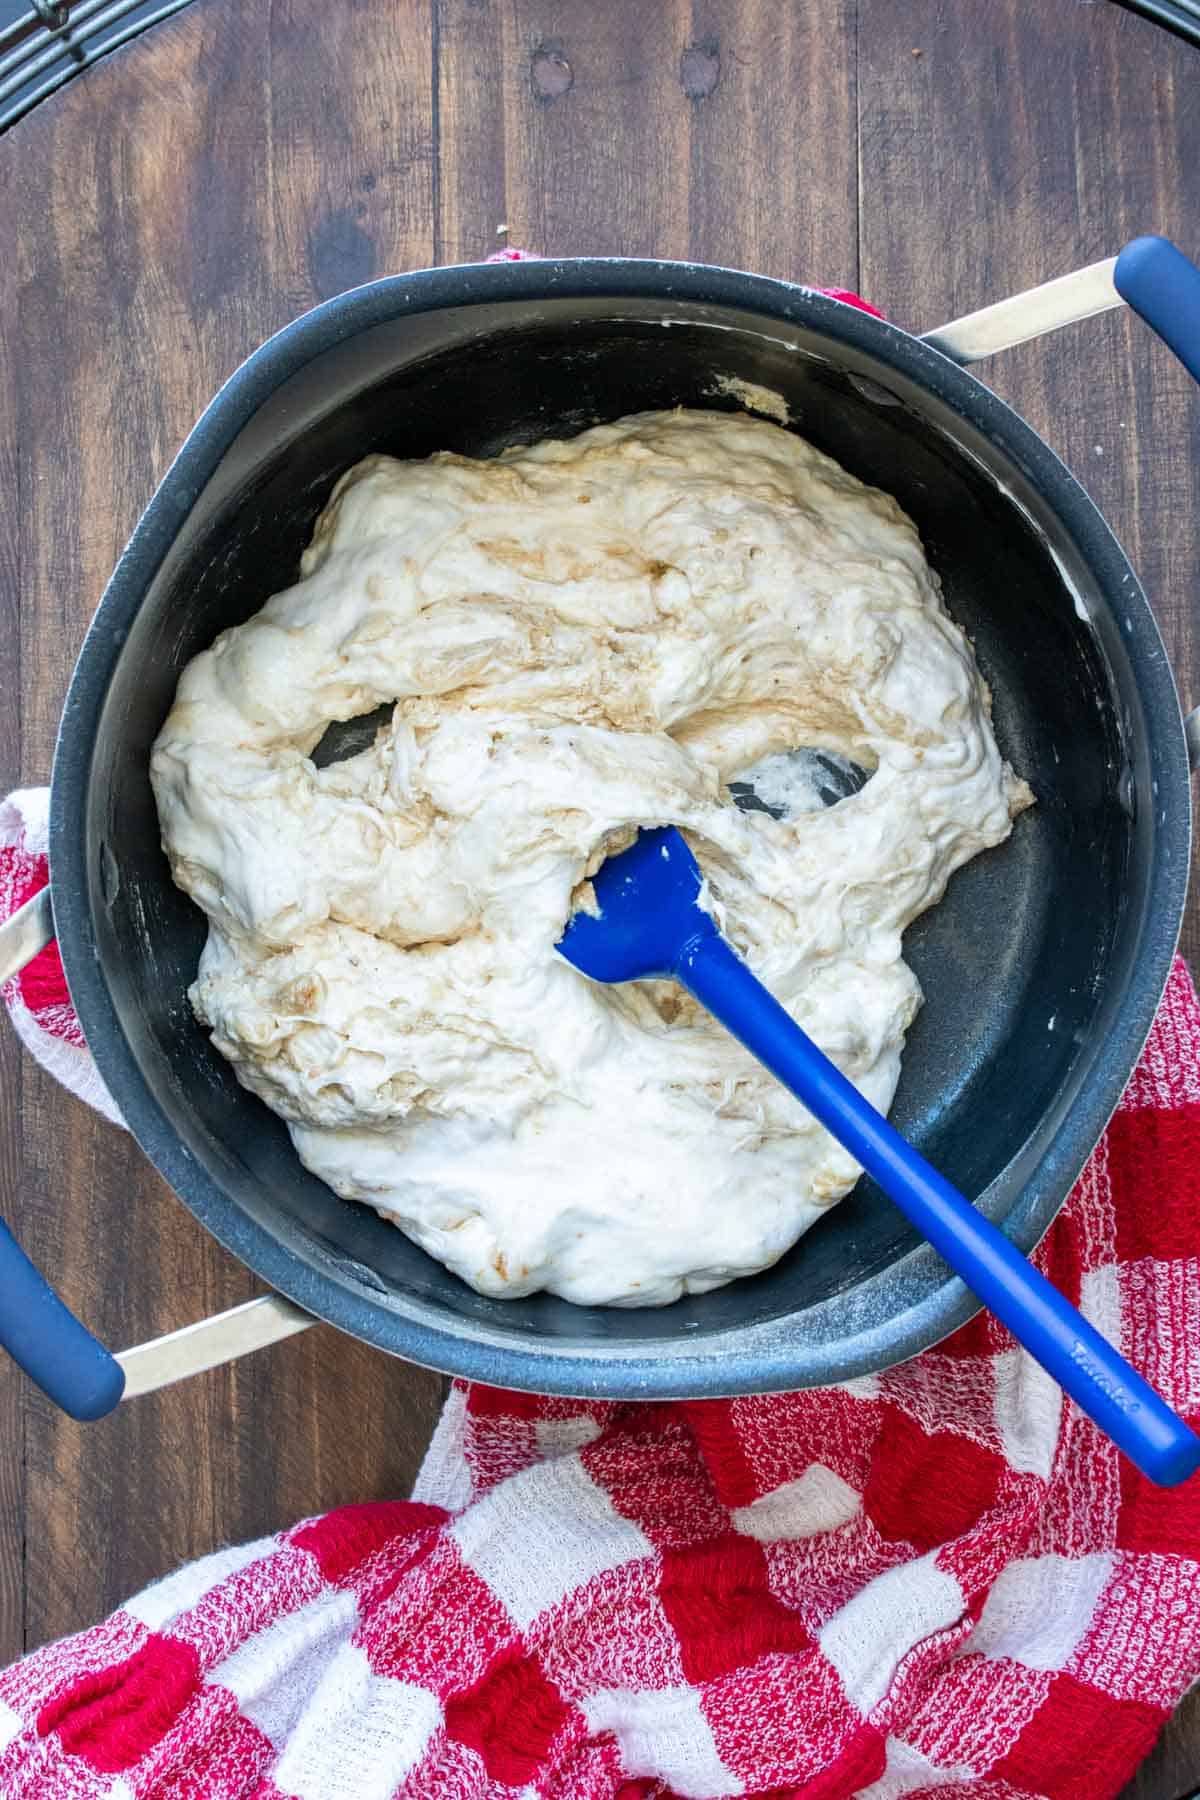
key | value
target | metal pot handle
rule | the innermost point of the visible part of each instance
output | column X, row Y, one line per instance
column 36, row 1329
column 46, row 1339
column 50, row 1344
column 1157, row 280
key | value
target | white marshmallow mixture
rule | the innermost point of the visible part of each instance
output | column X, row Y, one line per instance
column 579, row 638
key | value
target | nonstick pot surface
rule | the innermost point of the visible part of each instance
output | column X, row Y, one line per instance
column 1041, row 967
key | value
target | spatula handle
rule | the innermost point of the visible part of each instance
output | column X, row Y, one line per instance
column 1085, row 1364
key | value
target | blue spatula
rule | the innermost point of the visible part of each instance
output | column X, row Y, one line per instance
column 649, row 923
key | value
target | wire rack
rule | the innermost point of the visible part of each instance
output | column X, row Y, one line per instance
column 45, row 46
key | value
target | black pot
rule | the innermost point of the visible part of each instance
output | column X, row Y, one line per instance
column 1042, row 968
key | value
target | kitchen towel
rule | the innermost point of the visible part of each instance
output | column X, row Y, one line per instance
column 938, row 1582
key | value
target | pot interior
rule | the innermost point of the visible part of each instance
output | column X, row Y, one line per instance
column 1022, row 963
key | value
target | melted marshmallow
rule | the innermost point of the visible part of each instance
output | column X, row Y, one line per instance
column 579, row 638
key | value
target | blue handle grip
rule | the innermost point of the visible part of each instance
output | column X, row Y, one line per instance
column 1085, row 1364
column 49, row 1343
column 1163, row 287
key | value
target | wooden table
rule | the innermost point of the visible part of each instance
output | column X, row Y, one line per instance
column 214, row 179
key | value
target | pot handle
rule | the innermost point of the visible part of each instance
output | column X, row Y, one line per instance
column 47, row 1341
column 1151, row 275
column 1163, row 287
column 36, row 1329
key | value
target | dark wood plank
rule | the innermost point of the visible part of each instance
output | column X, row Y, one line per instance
column 1021, row 142
column 12, row 1426
column 721, row 130
column 152, row 260
column 564, row 122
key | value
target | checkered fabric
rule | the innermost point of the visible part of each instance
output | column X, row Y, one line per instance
column 936, row 1582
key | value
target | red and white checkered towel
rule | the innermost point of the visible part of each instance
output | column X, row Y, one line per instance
column 937, row 1582
column 37, row 999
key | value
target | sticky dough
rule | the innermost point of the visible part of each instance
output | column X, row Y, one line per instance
column 579, row 638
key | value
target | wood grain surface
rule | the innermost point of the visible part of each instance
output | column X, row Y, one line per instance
column 251, row 157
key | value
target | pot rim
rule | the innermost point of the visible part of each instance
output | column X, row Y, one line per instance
column 757, row 1358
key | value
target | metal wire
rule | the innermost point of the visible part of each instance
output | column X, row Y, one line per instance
column 33, row 57
column 18, row 28
column 85, row 32
column 52, row 13
column 22, row 65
